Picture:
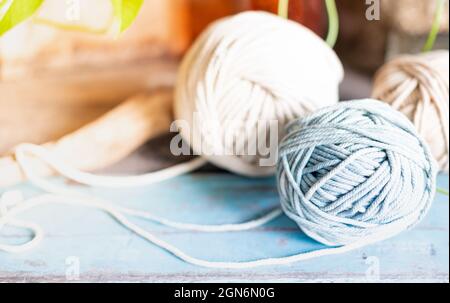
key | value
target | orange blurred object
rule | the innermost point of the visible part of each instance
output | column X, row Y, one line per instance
column 310, row 13
column 307, row 12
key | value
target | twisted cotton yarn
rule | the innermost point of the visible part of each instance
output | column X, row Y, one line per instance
column 355, row 172
column 246, row 68
column 418, row 86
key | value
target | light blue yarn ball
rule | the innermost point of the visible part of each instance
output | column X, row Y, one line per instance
column 353, row 172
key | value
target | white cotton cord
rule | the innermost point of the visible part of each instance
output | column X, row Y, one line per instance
column 106, row 181
column 38, row 235
column 10, row 211
column 236, row 265
column 13, row 207
column 118, row 214
column 50, row 187
column 9, row 200
column 270, row 216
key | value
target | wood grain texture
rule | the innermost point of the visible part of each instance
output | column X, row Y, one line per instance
column 106, row 252
column 46, row 108
column 31, row 50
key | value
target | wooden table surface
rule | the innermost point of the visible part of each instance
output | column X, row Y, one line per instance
column 88, row 246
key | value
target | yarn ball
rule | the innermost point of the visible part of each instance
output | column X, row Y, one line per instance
column 355, row 172
column 248, row 68
column 418, row 86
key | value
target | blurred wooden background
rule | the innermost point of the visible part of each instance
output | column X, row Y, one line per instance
column 53, row 81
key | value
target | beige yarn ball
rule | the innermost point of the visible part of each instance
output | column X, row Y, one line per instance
column 418, row 86
column 245, row 68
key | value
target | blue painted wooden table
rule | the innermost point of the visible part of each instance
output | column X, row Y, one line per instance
column 87, row 245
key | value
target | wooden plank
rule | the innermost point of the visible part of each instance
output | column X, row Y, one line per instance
column 34, row 49
column 107, row 252
column 55, row 106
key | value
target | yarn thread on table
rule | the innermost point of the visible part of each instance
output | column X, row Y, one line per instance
column 349, row 175
column 355, row 173
column 418, row 86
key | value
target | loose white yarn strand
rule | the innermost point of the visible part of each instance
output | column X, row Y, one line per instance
column 117, row 214
column 41, row 153
column 107, row 181
column 65, row 197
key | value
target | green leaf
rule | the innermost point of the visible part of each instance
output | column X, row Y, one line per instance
column 126, row 11
column 333, row 23
column 18, row 11
column 2, row 3
column 440, row 8
column 283, row 8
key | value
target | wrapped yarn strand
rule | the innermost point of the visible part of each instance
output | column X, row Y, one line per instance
column 354, row 172
column 246, row 69
column 418, row 86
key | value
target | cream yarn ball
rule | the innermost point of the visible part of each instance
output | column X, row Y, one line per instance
column 250, row 67
column 418, row 86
